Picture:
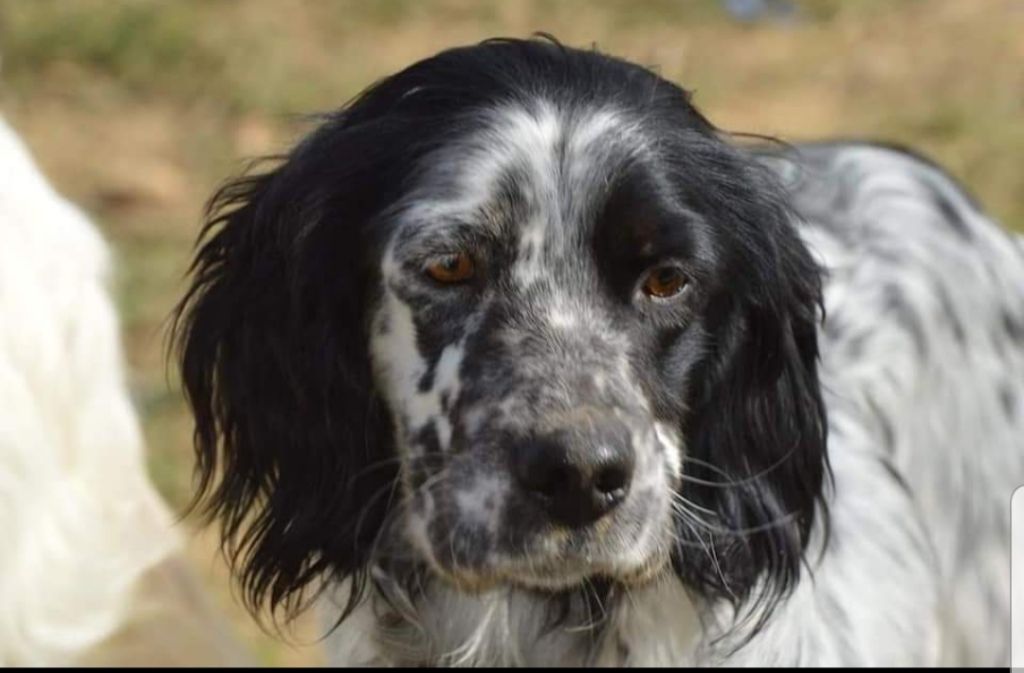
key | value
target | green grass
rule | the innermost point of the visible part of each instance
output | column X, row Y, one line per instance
column 142, row 45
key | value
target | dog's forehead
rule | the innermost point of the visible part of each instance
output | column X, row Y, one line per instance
column 537, row 172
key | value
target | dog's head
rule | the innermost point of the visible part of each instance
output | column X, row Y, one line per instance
column 517, row 314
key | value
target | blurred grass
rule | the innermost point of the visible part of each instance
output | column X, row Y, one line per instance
column 138, row 108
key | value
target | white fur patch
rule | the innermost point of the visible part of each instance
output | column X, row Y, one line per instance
column 401, row 367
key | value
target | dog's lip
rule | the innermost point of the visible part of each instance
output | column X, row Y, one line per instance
column 556, row 577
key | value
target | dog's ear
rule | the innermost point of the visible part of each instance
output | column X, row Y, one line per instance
column 757, row 428
column 294, row 450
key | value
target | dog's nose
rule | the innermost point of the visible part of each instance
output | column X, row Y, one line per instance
column 577, row 480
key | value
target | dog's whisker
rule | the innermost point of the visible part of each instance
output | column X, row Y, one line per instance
column 731, row 481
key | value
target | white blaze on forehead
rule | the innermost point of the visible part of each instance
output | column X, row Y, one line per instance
column 564, row 314
column 558, row 162
column 529, row 145
column 515, row 139
column 562, row 319
column 569, row 165
column 568, row 312
column 589, row 144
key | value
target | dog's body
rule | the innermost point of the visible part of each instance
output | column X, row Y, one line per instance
column 922, row 364
column 81, row 521
column 91, row 567
column 521, row 358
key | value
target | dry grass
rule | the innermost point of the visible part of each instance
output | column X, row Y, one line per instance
column 138, row 109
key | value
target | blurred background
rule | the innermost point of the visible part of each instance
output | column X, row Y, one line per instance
column 136, row 110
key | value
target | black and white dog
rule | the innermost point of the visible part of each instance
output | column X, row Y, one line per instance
column 517, row 360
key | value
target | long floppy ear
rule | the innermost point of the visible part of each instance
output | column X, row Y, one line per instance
column 293, row 448
column 757, row 428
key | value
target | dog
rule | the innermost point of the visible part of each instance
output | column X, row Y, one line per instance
column 91, row 567
column 516, row 359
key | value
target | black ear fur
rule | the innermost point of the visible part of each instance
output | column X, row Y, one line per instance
column 294, row 451
column 757, row 427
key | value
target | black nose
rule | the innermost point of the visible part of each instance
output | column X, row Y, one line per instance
column 577, row 480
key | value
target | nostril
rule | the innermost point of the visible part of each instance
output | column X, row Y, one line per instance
column 612, row 480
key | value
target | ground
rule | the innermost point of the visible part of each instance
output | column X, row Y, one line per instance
column 138, row 109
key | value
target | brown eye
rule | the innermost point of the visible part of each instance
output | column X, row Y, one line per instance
column 454, row 268
column 664, row 282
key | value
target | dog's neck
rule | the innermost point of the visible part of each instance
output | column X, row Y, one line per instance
column 654, row 625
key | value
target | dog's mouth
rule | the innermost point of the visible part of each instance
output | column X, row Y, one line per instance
column 475, row 561
column 556, row 578
column 553, row 577
column 478, row 529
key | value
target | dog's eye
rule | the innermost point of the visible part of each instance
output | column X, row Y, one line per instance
column 455, row 268
column 663, row 282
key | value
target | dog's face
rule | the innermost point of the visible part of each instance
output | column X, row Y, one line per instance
column 520, row 313
column 540, row 306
